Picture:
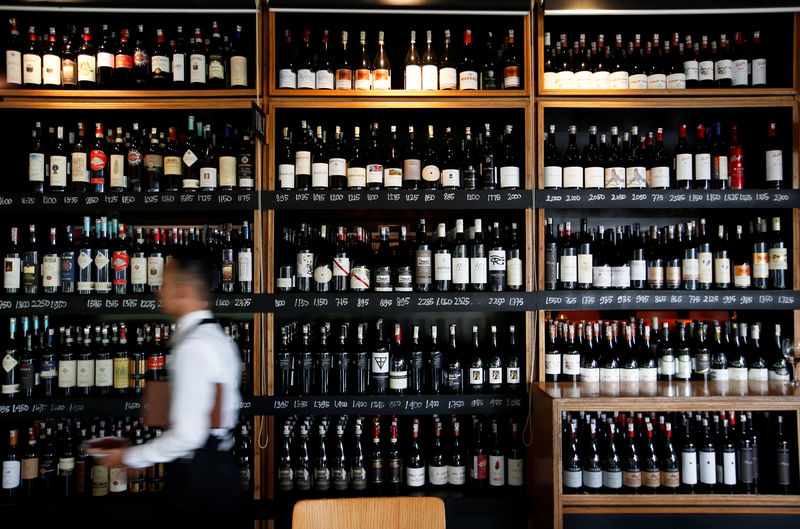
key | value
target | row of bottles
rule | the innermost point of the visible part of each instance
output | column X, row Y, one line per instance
column 673, row 64
column 119, row 60
column 384, row 456
column 678, row 453
column 612, row 352
column 687, row 256
column 112, row 257
column 639, row 161
column 379, row 161
column 46, row 460
column 317, row 67
column 316, row 260
column 82, row 360
column 140, row 159
column 348, row 359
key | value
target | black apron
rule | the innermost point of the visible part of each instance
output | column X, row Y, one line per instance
column 206, row 487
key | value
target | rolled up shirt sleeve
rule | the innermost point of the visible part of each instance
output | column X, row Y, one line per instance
column 192, row 401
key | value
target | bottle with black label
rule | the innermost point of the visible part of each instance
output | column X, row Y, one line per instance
column 379, row 362
column 454, row 371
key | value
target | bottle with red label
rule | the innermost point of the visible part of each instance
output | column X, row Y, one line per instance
column 98, row 161
column 123, row 61
column 735, row 160
column 479, row 461
column 120, row 262
column 156, row 361
column 512, row 67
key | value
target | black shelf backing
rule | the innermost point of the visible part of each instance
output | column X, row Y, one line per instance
column 376, row 302
column 669, row 300
column 666, row 198
column 401, row 199
column 165, row 201
column 116, row 304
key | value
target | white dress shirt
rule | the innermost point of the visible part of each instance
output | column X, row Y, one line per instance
column 202, row 355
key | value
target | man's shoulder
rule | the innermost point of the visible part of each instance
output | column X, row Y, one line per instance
column 205, row 337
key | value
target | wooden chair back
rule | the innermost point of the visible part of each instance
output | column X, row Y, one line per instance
column 374, row 513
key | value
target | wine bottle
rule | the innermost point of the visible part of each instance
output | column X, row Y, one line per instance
column 287, row 71
column 774, row 160
column 363, row 68
column 32, row 61
column 430, row 66
column 413, row 66
column 448, row 76
column 381, row 70
column 467, row 71
column 344, row 69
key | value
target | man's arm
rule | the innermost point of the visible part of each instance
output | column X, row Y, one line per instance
column 191, row 403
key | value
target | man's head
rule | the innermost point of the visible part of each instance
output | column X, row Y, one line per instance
column 187, row 282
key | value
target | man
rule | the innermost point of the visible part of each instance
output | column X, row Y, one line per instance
column 203, row 481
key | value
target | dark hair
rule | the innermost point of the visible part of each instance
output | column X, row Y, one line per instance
column 194, row 264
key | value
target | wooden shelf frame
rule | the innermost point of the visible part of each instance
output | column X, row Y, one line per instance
column 545, row 457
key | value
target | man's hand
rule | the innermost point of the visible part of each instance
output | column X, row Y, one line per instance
column 113, row 456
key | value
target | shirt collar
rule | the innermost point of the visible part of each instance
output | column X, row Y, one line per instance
column 187, row 321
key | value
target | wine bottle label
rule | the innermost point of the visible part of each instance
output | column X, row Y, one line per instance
column 442, row 267
column 30, row 468
column 511, row 76
column 412, row 169
column 497, row 260
column 615, row 178
column 629, row 375
column 705, row 71
column 573, row 177
column 509, row 177
column 571, row 364
column 197, row 68
column 11, row 474
column 85, row 376
column 585, row 269
column 514, row 269
column 601, row 276
column 121, row 373
column 590, row 374
column 9, row 363
column 691, row 69
column 741, row 276
column 667, row 365
column 638, row 270
column 637, row 81
column 512, row 376
column 757, row 373
column 341, row 267
column 583, row 80
column 592, row 478
column 319, row 174
column 69, row 72
column 437, row 475
column 778, row 259
column 609, row 375
column 737, row 373
column 780, row 374
column 303, row 162
column 516, row 469
column 722, row 270
column 306, row 79
column 413, row 77
column 47, row 369
column 723, row 69
column 478, row 469
column 468, row 80
column 551, row 266
column 344, row 80
column 36, row 167
column 565, row 80
column 13, row 67
column 51, row 271
column 552, row 363
column 398, row 380
column 495, row 375
column 429, row 77
column 740, row 71
column 51, row 70
column 594, row 177
column 553, row 177
column 356, row 176
column 648, row 374
column 305, row 265
column 448, row 79
column 720, row 374
column 460, row 267
column 363, row 79
column 729, row 467
column 32, row 69
column 287, row 78
column 620, row 276
column 657, row 81
column 415, row 477
column 707, row 463
column 87, row 67
column 392, row 177
column 431, row 173
column 760, row 267
column 568, row 265
column 689, row 468
column 79, row 169
column 451, row 178
column 620, row 80
column 155, row 271
column 774, row 165
column 286, row 176
column 11, row 272
column 456, row 475
column 573, row 479
column 173, row 165
column 158, row 64
column 659, row 177
column 612, row 479
column 476, row 375
column 104, row 372
column 702, row 166
column 759, row 72
column 690, row 269
column 138, row 271
column 324, row 78
column 651, row 479
column 783, row 463
column 381, row 79
column 227, row 171
column 676, row 81
column 673, row 276
column 374, row 174
column 302, row 479
column 636, row 177
column 245, row 267
column 745, row 456
column 424, row 270
column 601, row 80
column 67, row 374
column 178, row 67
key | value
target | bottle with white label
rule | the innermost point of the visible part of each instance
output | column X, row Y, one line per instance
column 510, row 177
column 381, row 69
column 553, row 168
column 773, row 156
column 31, row 61
column 413, row 66
column 552, row 357
column 287, row 70
column 758, row 62
column 430, row 66
column 238, row 62
column 14, row 55
column 573, row 162
column 448, row 76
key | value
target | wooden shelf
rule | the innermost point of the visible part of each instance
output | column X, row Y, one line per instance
column 680, row 503
column 127, row 94
column 671, row 396
column 629, row 101
column 398, row 101
column 380, row 94
column 127, row 99
column 689, row 92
